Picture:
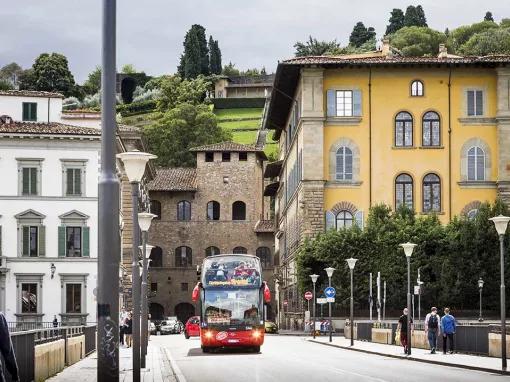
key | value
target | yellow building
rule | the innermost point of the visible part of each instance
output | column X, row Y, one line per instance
column 355, row 131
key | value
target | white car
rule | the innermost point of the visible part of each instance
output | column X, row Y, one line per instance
column 170, row 327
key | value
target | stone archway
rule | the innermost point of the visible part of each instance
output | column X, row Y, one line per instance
column 156, row 311
column 183, row 311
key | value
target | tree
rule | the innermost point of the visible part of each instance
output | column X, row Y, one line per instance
column 5, row 85
column 418, row 41
column 27, row 80
column 360, row 34
column 10, row 73
column 214, row 56
column 459, row 36
column 195, row 59
column 175, row 91
column 230, row 70
column 50, row 72
column 492, row 41
column 181, row 128
column 128, row 69
column 93, row 83
column 488, row 17
column 415, row 16
column 313, row 47
column 396, row 21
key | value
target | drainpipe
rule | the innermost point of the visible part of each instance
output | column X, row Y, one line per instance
column 450, row 144
column 370, row 136
column 48, row 109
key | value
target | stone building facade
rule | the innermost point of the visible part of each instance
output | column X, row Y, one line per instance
column 216, row 208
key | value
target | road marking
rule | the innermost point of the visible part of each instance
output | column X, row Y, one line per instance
column 177, row 370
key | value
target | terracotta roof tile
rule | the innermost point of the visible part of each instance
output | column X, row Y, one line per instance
column 52, row 128
column 264, row 226
column 174, row 179
column 227, row 146
column 30, row 93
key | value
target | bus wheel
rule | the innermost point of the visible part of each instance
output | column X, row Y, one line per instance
column 256, row 349
column 206, row 349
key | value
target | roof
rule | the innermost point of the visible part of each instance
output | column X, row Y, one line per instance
column 230, row 146
column 52, row 128
column 264, row 226
column 30, row 93
column 271, row 189
column 174, row 179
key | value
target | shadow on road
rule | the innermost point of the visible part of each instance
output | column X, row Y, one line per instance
column 197, row 352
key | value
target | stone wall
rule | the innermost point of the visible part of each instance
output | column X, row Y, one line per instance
column 503, row 123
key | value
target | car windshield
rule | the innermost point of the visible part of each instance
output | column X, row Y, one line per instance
column 232, row 307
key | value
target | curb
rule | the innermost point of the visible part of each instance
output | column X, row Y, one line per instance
column 460, row 366
column 179, row 376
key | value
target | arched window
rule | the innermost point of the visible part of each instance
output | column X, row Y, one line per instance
column 476, row 163
column 344, row 163
column 404, row 191
column 213, row 210
column 212, row 251
column 431, row 193
column 431, row 126
column 156, row 257
column 184, row 210
column 240, row 251
column 183, row 257
column 344, row 219
column 264, row 254
column 416, row 88
column 238, row 210
column 403, row 129
column 471, row 215
column 156, row 208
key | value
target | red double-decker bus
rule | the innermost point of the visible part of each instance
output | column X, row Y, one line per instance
column 232, row 295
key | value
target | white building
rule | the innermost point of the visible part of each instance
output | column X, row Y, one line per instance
column 31, row 106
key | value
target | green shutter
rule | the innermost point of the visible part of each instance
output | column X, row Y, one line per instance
column 77, row 181
column 62, row 241
column 25, row 111
column 33, row 112
column 470, row 102
column 69, row 181
column 25, row 241
column 25, row 181
column 33, row 181
column 86, row 241
column 41, row 236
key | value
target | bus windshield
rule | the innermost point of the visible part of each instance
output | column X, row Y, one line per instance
column 232, row 271
column 232, row 307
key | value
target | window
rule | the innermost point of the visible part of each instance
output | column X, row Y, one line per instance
column 344, row 163
column 30, row 241
column 73, row 235
column 344, row 219
column 240, row 251
column 238, row 211
column 154, row 287
column 209, row 156
column 225, row 157
column 416, row 88
column 243, row 156
column 73, row 181
column 73, row 298
column 30, row 111
column 156, row 208
column 73, row 242
column 184, row 287
column 471, row 215
column 403, row 129
column 431, row 129
column 264, row 254
column 476, row 164
column 404, row 191
column 212, row 251
column 29, row 182
column 431, row 193
column 344, row 103
column 156, row 257
column 183, row 257
column 29, row 298
column 474, row 103
column 213, row 210
column 184, row 210
column 32, row 234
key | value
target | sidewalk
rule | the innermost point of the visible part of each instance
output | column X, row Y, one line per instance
column 158, row 367
column 464, row 361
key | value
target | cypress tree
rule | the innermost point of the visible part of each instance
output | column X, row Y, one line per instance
column 396, row 21
column 488, row 17
column 195, row 59
column 360, row 34
column 214, row 56
column 415, row 16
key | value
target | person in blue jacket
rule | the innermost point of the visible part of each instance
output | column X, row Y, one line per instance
column 448, row 328
column 7, row 351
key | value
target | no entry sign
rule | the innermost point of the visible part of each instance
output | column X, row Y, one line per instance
column 308, row 296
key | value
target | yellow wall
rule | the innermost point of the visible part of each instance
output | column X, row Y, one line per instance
column 391, row 94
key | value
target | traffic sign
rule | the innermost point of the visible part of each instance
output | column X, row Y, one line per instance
column 285, row 303
column 321, row 300
column 330, row 292
column 330, row 299
column 417, row 289
column 308, row 296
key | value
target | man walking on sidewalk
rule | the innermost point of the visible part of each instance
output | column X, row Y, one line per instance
column 402, row 327
column 432, row 328
column 448, row 327
column 9, row 359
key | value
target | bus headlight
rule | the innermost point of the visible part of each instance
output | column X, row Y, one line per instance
column 256, row 334
column 208, row 334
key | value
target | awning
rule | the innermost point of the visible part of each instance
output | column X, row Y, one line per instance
column 273, row 169
column 271, row 189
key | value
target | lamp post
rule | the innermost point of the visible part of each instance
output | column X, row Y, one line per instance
column 351, row 263
column 330, row 271
column 314, row 278
column 134, row 165
column 501, row 223
column 408, row 250
column 480, row 287
column 108, row 211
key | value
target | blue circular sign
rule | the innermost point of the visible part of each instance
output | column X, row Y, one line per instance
column 330, row 292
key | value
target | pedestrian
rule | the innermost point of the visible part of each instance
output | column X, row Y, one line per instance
column 402, row 327
column 7, row 350
column 448, row 328
column 122, row 325
column 128, row 330
column 432, row 329
column 55, row 321
column 148, row 327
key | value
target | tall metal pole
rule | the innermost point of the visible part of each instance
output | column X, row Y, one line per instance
column 145, row 318
column 378, row 305
column 408, row 305
column 136, row 285
column 313, row 329
column 384, row 303
column 108, row 212
column 480, row 317
column 330, row 318
column 503, row 303
column 352, row 308
column 370, row 300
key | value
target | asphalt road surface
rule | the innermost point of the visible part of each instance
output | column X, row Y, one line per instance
column 293, row 359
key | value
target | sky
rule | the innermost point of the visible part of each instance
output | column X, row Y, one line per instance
column 254, row 33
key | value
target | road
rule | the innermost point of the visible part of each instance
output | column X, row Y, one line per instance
column 288, row 358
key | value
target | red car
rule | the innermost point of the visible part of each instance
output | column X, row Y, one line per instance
column 192, row 328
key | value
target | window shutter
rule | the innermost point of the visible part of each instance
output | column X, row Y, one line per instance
column 470, row 102
column 33, row 112
column 41, row 231
column 77, row 182
column 25, row 181
column 330, row 220
column 358, row 218
column 25, row 241
column 62, row 241
column 0, row 240
column 25, row 112
column 356, row 103
column 331, row 103
column 86, row 241
column 69, row 181
column 33, row 181
column 479, row 102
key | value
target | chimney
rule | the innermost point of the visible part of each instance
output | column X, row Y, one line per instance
column 443, row 52
column 5, row 119
column 386, row 51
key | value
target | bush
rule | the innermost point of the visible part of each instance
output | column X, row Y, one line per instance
column 238, row 103
column 136, row 108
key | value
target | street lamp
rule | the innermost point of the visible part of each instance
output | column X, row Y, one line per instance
column 134, row 165
column 330, row 271
column 501, row 223
column 314, row 278
column 352, row 262
column 408, row 250
column 480, row 287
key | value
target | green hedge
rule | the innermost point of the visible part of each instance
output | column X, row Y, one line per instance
column 136, row 108
column 237, row 103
